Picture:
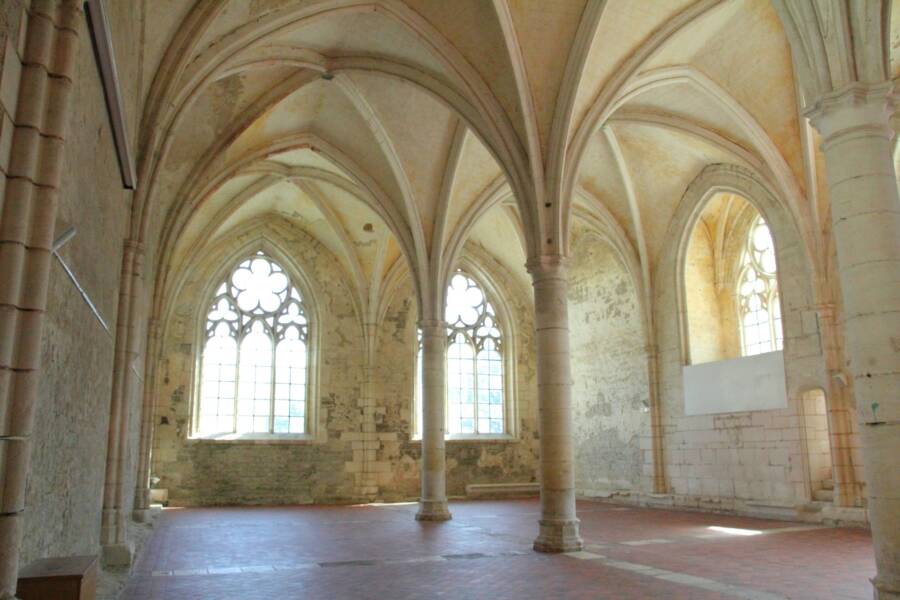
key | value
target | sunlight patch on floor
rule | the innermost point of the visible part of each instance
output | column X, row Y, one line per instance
column 734, row 530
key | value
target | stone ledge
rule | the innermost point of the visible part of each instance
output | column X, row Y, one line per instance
column 826, row 514
column 502, row 490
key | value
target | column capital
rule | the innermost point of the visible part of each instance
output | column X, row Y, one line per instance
column 132, row 257
column 134, row 246
column 433, row 327
column 856, row 108
column 549, row 266
column 826, row 310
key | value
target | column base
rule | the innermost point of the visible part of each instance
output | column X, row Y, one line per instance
column 433, row 510
column 558, row 536
column 117, row 555
column 881, row 592
column 141, row 515
column 146, row 515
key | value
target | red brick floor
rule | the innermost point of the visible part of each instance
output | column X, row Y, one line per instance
column 381, row 552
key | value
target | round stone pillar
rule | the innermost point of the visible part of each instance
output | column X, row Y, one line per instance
column 558, row 523
column 433, row 503
column 865, row 213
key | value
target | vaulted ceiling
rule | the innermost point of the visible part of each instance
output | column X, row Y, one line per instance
column 396, row 132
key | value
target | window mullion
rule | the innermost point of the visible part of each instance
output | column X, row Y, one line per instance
column 740, row 316
column 474, row 388
column 272, row 387
column 772, row 329
column 773, row 345
column 198, row 403
column 307, row 427
column 475, row 383
column 446, row 391
column 237, row 384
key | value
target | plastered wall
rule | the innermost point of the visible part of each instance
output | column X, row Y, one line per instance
column 705, row 318
column 712, row 271
column 609, row 369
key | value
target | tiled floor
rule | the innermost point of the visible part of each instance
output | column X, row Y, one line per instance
column 343, row 552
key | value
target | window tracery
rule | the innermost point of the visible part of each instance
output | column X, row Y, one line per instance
column 474, row 360
column 758, row 301
column 476, row 395
column 254, row 364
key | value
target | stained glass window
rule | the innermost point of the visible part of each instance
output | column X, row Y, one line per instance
column 253, row 375
column 759, row 305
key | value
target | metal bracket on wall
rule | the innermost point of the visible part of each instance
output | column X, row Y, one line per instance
column 98, row 25
column 58, row 243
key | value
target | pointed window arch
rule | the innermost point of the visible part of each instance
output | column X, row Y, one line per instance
column 255, row 355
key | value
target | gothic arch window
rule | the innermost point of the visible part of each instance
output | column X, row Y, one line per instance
column 254, row 364
column 474, row 361
column 729, row 283
column 477, row 364
column 758, row 303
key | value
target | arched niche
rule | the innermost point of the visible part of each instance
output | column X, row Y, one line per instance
column 817, row 444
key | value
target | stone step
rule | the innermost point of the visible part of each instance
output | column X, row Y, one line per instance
column 824, row 495
column 828, row 484
column 811, row 507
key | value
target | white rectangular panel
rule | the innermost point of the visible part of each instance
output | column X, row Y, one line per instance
column 735, row 385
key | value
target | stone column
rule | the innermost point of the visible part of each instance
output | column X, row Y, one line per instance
column 656, row 428
column 29, row 189
column 117, row 550
column 141, row 511
column 558, row 523
column 433, row 503
column 865, row 213
column 367, row 478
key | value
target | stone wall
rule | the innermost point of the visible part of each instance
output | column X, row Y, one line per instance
column 338, row 467
column 485, row 461
column 747, row 461
column 609, row 368
column 64, row 491
column 209, row 472
column 730, row 461
column 394, row 377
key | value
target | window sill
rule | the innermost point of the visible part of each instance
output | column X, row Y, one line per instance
column 255, row 438
column 483, row 439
